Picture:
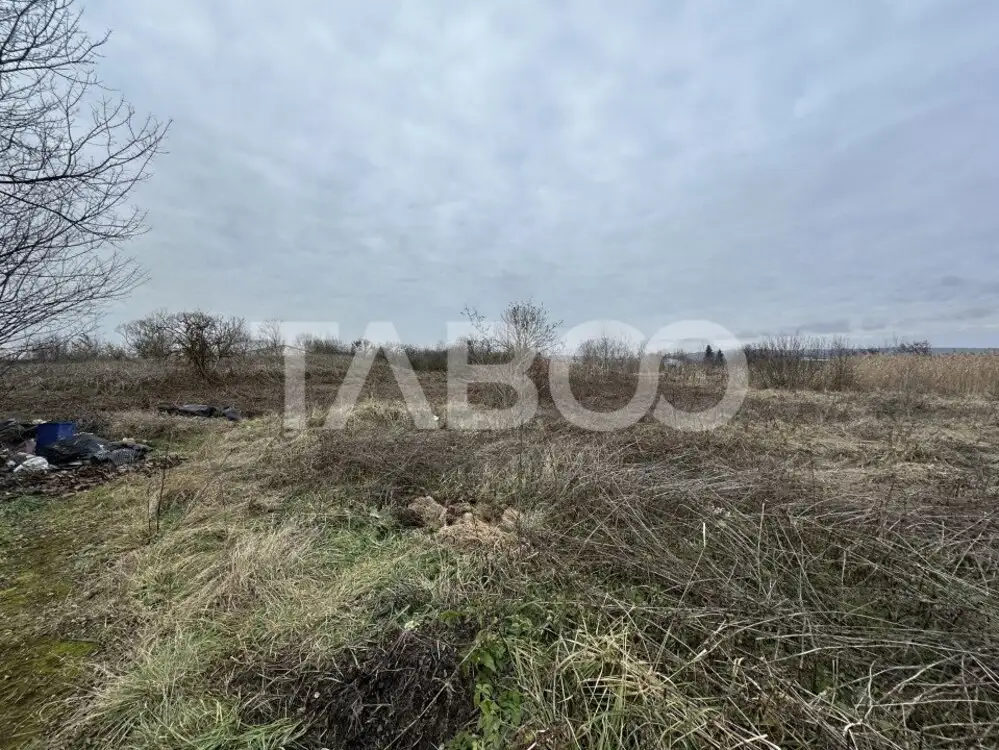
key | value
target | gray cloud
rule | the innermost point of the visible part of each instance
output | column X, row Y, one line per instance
column 352, row 162
column 873, row 324
column 830, row 326
column 974, row 313
column 951, row 282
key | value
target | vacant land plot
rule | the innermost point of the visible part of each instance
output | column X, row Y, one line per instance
column 821, row 572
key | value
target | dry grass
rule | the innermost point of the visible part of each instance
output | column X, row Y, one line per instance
column 820, row 573
column 64, row 389
column 948, row 375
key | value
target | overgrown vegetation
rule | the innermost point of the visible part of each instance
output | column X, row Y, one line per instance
column 219, row 351
column 821, row 571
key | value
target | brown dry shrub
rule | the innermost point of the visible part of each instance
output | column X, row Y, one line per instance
column 757, row 583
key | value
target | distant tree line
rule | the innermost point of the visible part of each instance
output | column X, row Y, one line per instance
column 206, row 341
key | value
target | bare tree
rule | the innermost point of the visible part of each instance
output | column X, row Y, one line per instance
column 200, row 339
column 270, row 339
column 525, row 327
column 528, row 326
column 204, row 340
column 69, row 158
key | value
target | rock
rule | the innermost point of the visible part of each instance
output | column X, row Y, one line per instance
column 428, row 512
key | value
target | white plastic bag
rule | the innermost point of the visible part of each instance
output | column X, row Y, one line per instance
column 33, row 465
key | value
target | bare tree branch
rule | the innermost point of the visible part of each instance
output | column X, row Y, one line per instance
column 69, row 158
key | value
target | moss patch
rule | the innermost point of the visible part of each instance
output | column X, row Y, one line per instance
column 46, row 548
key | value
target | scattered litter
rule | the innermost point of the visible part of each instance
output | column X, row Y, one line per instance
column 27, row 447
column 124, row 454
column 72, row 449
column 60, row 482
column 52, row 459
column 202, row 410
column 50, row 432
column 32, row 465
column 14, row 433
column 89, row 448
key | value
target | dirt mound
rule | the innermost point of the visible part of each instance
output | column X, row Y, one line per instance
column 458, row 524
column 407, row 692
column 471, row 533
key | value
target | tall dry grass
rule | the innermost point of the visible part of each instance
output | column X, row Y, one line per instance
column 945, row 375
column 65, row 389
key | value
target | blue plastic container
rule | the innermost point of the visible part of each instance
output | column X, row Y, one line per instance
column 49, row 432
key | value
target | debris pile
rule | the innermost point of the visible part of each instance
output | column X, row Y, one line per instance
column 17, row 437
column 56, row 483
column 51, row 458
column 89, row 448
column 458, row 525
column 67, row 464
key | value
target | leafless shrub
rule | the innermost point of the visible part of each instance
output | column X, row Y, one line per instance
column 840, row 371
column 200, row 339
column 326, row 345
column 786, row 361
column 607, row 354
column 204, row 340
column 362, row 346
column 427, row 358
column 922, row 347
column 151, row 337
column 84, row 347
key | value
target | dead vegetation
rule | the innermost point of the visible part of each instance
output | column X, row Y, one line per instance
column 410, row 685
column 819, row 573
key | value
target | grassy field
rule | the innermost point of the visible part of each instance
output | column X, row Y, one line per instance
column 819, row 573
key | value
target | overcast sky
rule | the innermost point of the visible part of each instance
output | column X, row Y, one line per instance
column 771, row 166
